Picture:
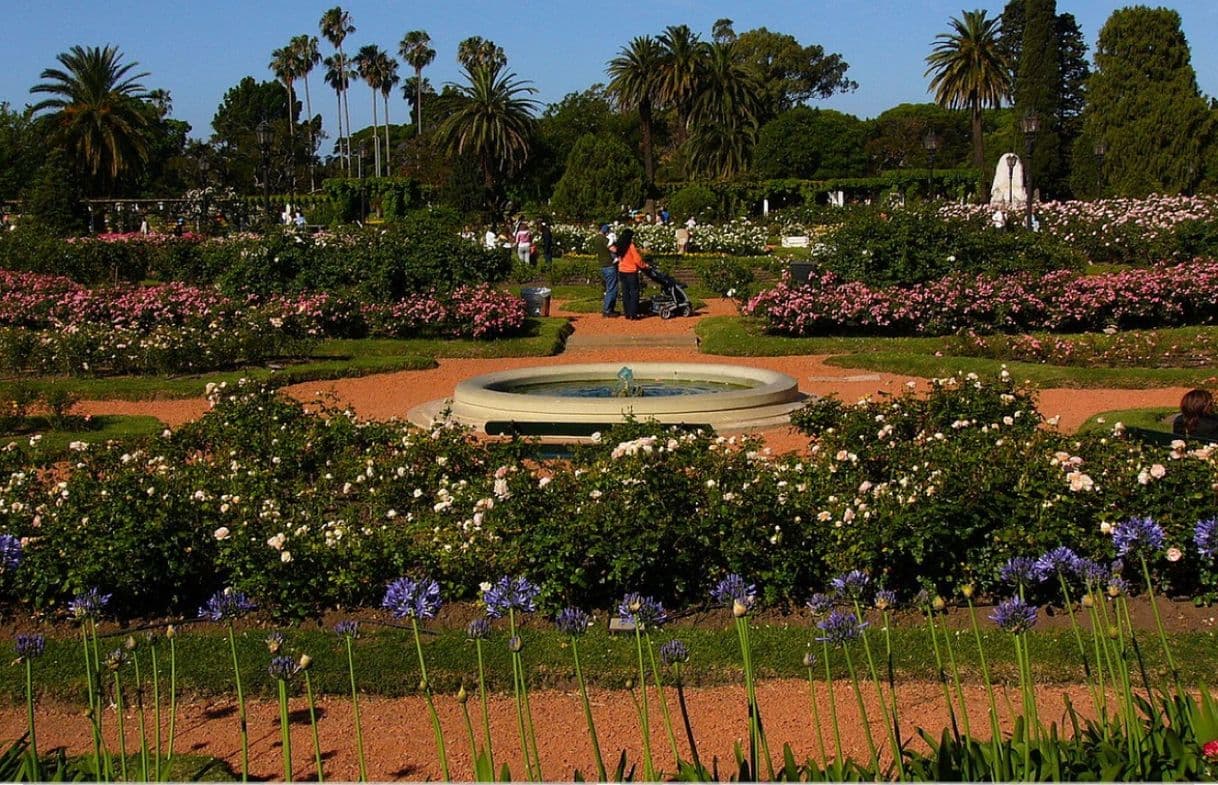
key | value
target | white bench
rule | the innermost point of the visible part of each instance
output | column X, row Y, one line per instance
column 802, row 241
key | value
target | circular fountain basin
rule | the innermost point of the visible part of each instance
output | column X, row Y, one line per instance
column 571, row 402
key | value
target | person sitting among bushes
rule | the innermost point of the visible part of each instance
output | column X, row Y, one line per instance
column 1196, row 417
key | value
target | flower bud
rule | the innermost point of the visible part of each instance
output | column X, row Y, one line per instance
column 938, row 603
column 967, row 591
column 305, row 662
column 739, row 609
column 515, row 644
column 462, row 695
column 809, row 660
column 1088, row 601
column 170, row 632
column 630, row 684
column 423, row 687
column 1114, row 632
column 1114, row 590
column 129, row 644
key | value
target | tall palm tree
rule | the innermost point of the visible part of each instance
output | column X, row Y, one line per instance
column 339, row 79
column 493, row 121
column 725, row 112
column 335, row 26
column 679, row 67
column 477, row 51
column 368, row 65
column 969, row 71
column 161, row 100
column 416, row 51
column 283, row 65
column 304, row 48
column 387, row 77
column 635, row 82
column 97, row 112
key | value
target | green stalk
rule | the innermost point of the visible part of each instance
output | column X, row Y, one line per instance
column 469, row 732
column 820, row 735
column 655, row 673
column 1078, row 639
column 359, row 728
column 173, row 694
column 649, row 769
column 1154, row 606
column 486, row 714
column 995, row 727
column 242, row 722
column 139, row 702
column 97, row 687
column 156, row 712
column 313, row 723
column 837, row 732
column 1099, row 654
column 91, row 693
column 1133, row 726
column 892, row 682
column 35, row 771
column 689, row 728
column 947, row 693
column 754, row 707
column 122, row 735
column 951, row 661
column 285, row 730
column 889, row 722
column 863, row 719
column 431, row 706
column 524, row 713
column 583, row 693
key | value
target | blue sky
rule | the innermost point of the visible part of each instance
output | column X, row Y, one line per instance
column 198, row 49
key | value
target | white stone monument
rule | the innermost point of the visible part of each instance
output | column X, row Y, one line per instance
column 1008, row 189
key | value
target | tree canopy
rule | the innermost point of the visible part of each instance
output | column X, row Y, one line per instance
column 601, row 175
column 811, row 144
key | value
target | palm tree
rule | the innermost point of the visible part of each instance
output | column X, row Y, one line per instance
column 476, row 51
column 97, row 111
column 493, row 121
column 416, row 51
column 970, row 71
column 635, row 82
column 368, row 65
column 283, row 65
column 161, row 100
column 683, row 54
column 387, row 77
column 724, row 112
column 304, row 47
column 335, row 27
column 339, row 79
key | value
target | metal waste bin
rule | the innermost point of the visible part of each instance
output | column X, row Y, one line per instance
column 536, row 300
column 801, row 272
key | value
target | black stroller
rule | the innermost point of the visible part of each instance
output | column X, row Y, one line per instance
column 672, row 300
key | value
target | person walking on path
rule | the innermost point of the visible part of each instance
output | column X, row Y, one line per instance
column 524, row 243
column 630, row 261
column 608, row 264
column 547, row 244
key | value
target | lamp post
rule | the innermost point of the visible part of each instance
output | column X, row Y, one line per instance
column 363, row 150
column 1012, row 159
column 1031, row 125
column 1100, row 150
column 201, row 219
column 931, row 143
column 263, row 133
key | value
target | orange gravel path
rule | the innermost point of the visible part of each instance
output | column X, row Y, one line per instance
column 384, row 396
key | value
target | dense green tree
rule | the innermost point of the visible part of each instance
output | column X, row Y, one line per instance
column 724, row 114
column 284, row 64
column 335, row 26
column 1072, row 65
column 635, row 81
column 790, row 72
column 969, row 71
column 243, row 107
column 1144, row 106
column 370, row 65
column 53, row 201
column 97, row 114
column 602, row 174
column 304, row 49
column 21, row 151
column 811, row 144
column 682, row 58
column 897, row 138
column 339, row 80
column 1038, row 91
column 493, row 122
column 417, row 53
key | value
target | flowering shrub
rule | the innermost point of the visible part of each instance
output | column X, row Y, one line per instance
column 1061, row 301
column 1115, row 349
column 304, row 509
column 740, row 237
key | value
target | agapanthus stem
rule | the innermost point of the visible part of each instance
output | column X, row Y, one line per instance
column 97, row 686
column 655, row 672
column 889, row 721
column 242, row 722
column 837, row 732
column 1154, row 606
column 431, row 707
column 486, row 713
column 892, row 681
column 951, row 661
column 601, row 774
column 524, row 719
column 313, row 724
column 285, row 730
column 941, row 671
column 1078, row 639
column 359, row 728
column 156, row 712
column 469, row 733
column 139, row 704
column 173, row 696
column 122, row 734
column 863, row 718
column 995, row 727
column 820, row 736
column 649, row 771
column 689, row 728
column 35, row 762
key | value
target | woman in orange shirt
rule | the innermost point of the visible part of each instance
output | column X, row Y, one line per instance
column 630, row 261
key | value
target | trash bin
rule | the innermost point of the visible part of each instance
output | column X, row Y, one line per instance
column 536, row 300
column 801, row 272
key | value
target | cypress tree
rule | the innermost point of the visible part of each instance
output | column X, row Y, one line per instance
column 1144, row 105
column 1038, row 89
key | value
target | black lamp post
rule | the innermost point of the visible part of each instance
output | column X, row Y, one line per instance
column 931, row 143
column 1100, row 150
column 1031, row 125
column 363, row 209
column 1012, row 160
column 201, row 221
column 263, row 134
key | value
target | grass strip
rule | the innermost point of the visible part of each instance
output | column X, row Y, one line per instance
column 107, row 427
column 205, row 665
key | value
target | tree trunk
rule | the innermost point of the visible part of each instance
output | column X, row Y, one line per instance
column 649, row 164
column 418, row 104
column 338, row 96
column 342, row 63
column 291, row 134
column 388, row 168
column 978, row 140
column 376, row 140
column 312, row 141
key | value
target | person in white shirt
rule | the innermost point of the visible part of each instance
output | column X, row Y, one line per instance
column 490, row 240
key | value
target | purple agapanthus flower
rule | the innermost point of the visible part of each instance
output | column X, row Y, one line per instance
column 820, row 603
column 89, row 605
column 840, row 627
column 10, row 553
column 733, row 589
column 1091, row 572
column 851, row 586
column 1059, row 561
column 347, row 628
column 282, row 668
column 1138, row 536
column 408, row 598
column 1117, row 586
column 1205, row 535
column 1014, row 616
column 478, row 630
column 885, row 599
column 571, row 621
column 30, row 647
column 509, row 594
column 643, row 612
column 1019, row 571
column 274, row 641
column 227, row 604
column 674, row 652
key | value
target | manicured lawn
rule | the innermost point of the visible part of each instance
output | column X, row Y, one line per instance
column 332, row 359
column 107, row 427
column 1151, row 419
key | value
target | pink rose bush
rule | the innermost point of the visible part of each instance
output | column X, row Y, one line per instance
column 1163, row 295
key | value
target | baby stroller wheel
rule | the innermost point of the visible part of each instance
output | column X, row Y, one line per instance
column 686, row 310
column 666, row 313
